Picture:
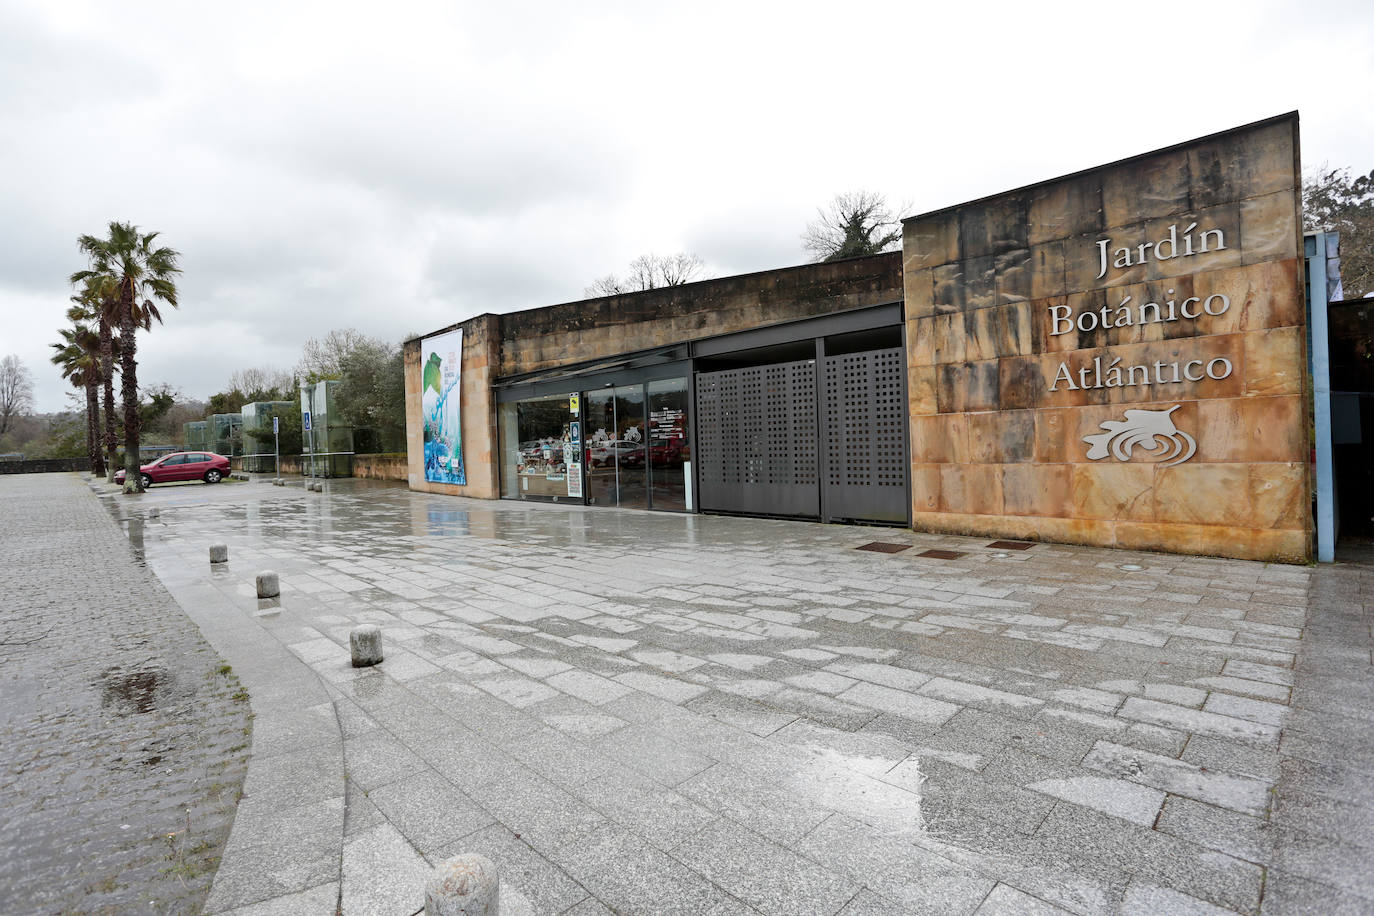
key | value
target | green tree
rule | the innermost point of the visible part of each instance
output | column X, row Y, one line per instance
column 61, row 436
column 371, row 393
column 98, row 350
column 161, row 398
column 170, row 427
column 96, row 300
column 247, row 386
column 231, row 400
column 1332, row 199
column 77, row 355
column 289, row 433
column 853, row 225
column 138, row 275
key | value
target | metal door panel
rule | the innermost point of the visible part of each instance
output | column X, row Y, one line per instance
column 756, row 440
column 864, row 410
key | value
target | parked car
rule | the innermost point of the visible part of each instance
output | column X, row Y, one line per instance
column 627, row 453
column 206, row 466
column 630, row 454
column 666, row 451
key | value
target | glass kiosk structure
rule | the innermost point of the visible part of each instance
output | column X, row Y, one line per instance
column 259, row 452
column 328, row 441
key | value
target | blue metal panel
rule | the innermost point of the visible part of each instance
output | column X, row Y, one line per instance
column 1316, row 250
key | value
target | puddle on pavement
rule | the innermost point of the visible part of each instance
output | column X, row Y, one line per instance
column 133, row 527
column 135, row 692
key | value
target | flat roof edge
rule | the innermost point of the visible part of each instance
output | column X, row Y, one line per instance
column 792, row 268
column 1173, row 147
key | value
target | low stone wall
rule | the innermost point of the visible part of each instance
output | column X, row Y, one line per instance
column 49, row 466
column 387, row 466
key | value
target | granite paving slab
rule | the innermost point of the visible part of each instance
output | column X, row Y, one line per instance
column 659, row 713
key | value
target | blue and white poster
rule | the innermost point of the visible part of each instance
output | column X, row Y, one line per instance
column 440, row 379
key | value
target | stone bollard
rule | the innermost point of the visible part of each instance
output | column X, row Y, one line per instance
column 269, row 586
column 465, row 885
column 365, row 643
column 219, row 553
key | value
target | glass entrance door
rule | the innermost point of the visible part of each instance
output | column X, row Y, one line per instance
column 615, row 437
column 670, row 452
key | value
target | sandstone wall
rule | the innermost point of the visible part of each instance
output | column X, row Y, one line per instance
column 576, row 331
column 999, row 440
column 480, row 347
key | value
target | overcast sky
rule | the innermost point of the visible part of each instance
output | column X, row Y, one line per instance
column 397, row 167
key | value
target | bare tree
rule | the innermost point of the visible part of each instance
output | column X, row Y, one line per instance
column 609, row 285
column 16, row 391
column 323, row 357
column 1331, row 199
column 256, row 381
column 854, row 224
column 650, row 271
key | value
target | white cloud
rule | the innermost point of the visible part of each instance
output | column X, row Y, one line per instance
column 402, row 166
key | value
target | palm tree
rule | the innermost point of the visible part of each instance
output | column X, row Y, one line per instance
column 131, row 274
column 87, row 314
column 78, row 356
column 96, row 300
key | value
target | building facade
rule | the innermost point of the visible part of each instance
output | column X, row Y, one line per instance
column 1116, row 357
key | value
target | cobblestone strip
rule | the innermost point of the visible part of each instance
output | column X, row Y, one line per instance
column 1323, row 805
column 123, row 736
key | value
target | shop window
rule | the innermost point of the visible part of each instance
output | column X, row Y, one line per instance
column 538, row 459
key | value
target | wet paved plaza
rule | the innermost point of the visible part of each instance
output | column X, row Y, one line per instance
column 647, row 713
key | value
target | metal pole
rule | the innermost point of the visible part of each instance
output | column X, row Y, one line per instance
column 310, row 395
column 276, row 449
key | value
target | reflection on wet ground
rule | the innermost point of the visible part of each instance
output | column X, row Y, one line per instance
column 129, row 692
column 133, row 527
column 676, row 713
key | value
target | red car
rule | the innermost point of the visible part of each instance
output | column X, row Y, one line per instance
column 206, row 466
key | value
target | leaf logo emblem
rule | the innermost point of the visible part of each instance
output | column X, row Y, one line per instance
column 433, row 377
column 1153, row 430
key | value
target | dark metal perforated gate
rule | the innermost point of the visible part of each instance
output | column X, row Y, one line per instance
column 758, row 441
column 864, row 405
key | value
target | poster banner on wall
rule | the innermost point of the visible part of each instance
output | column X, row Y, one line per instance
column 442, row 357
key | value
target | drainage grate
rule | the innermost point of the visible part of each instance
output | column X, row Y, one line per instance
column 941, row 554
column 1011, row 545
column 880, row 547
